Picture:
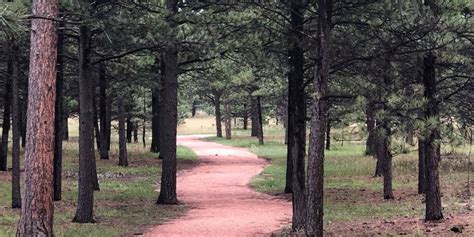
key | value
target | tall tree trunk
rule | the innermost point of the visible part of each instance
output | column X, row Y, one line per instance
column 432, row 142
column 328, row 135
column 65, row 124
column 315, row 181
column 129, row 129
column 253, row 117
column 379, row 163
column 135, row 132
column 227, row 121
column 123, row 159
column 155, row 121
column 421, row 167
column 170, row 117
column 370, row 122
column 58, row 119
column 385, row 158
column 7, row 103
column 245, row 118
column 16, row 193
column 217, row 104
column 103, row 84
column 296, row 149
column 85, row 200
column 37, row 209
column 193, row 109
column 259, row 121
column 108, row 120
column 23, row 107
column 384, row 131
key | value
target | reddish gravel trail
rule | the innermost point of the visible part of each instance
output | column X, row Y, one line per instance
column 220, row 201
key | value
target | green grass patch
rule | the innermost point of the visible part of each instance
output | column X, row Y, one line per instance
column 349, row 171
column 125, row 205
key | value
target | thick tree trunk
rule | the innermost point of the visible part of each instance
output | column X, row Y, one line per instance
column 58, row 120
column 123, row 159
column 7, row 103
column 170, row 118
column 103, row 84
column 37, row 209
column 259, row 121
column 385, row 158
column 328, row 135
column 85, row 200
column 315, row 181
column 253, row 117
column 379, row 163
column 16, row 193
column 295, row 135
column 370, row 122
column 155, row 120
column 421, row 167
column 217, row 105
column 432, row 142
column 227, row 121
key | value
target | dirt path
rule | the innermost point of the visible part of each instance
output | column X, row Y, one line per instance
column 220, row 201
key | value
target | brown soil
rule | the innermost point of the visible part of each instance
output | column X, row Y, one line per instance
column 458, row 224
column 220, row 201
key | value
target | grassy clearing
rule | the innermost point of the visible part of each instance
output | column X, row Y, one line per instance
column 124, row 205
column 351, row 191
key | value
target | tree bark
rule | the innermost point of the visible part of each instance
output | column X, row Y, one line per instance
column 7, row 103
column 217, row 105
column 259, row 121
column 296, row 118
column 58, row 119
column 65, row 124
column 129, row 129
column 245, row 118
column 103, row 84
column 155, row 121
column 85, row 200
column 253, row 117
column 170, row 117
column 328, row 135
column 370, row 122
column 16, row 193
column 23, row 107
column 421, row 167
column 432, row 142
column 135, row 132
column 193, row 109
column 385, row 158
column 315, row 181
column 123, row 159
column 37, row 209
column 227, row 121
column 108, row 120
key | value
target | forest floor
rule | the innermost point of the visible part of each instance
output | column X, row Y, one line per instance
column 124, row 206
column 219, row 198
column 354, row 205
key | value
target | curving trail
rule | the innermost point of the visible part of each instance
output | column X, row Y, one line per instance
column 220, row 201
